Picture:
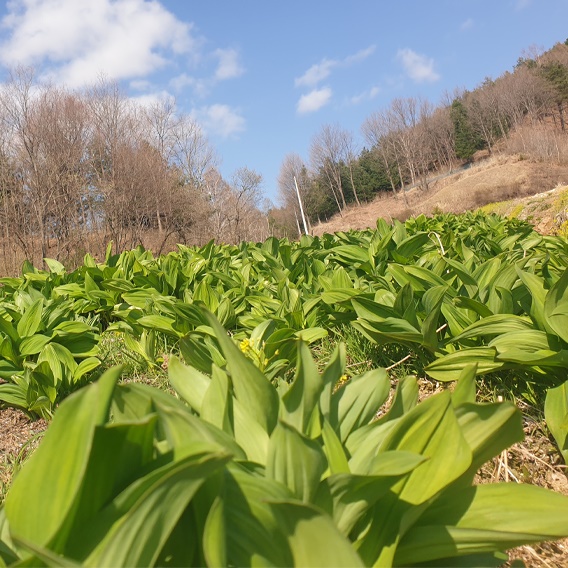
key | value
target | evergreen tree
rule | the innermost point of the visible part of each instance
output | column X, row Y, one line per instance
column 467, row 142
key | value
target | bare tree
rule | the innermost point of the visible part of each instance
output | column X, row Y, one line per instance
column 377, row 132
column 349, row 157
column 246, row 194
column 326, row 153
column 294, row 171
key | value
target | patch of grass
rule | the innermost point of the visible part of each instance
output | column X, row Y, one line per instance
column 364, row 355
column 496, row 207
column 114, row 351
column 561, row 201
column 11, row 463
column 516, row 211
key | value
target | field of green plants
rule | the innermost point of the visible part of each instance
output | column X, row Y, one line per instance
column 283, row 438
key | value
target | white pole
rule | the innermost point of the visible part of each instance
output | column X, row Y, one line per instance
column 301, row 206
column 297, row 223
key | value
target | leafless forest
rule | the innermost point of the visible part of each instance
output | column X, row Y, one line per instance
column 78, row 170
column 81, row 169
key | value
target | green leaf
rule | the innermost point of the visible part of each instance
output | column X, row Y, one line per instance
column 252, row 389
column 241, row 526
column 301, row 399
column 449, row 367
column 489, row 429
column 354, row 495
column 355, row 404
column 159, row 323
column 556, row 415
column 34, row 344
column 494, row 325
column 217, row 407
column 313, row 538
column 134, row 528
column 31, row 320
column 556, row 307
column 295, row 461
column 333, row 449
column 35, row 514
column 465, row 389
column 485, row 518
column 188, row 382
column 432, row 430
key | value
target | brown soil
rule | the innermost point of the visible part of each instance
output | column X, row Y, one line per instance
column 497, row 179
column 19, row 436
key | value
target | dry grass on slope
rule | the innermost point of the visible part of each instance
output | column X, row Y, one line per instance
column 498, row 179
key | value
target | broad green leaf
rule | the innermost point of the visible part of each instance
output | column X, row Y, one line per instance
column 313, row 538
column 54, row 265
column 241, row 527
column 391, row 330
column 35, row 514
column 333, row 449
column 34, row 344
column 159, row 323
column 465, row 388
column 301, row 399
column 430, row 429
column 356, row 403
column 311, row 334
column 494, row 325
column 252, row 389
column 353, row 495
column 188, row 382
column 330, row 377
column 186, row 434
column 449, row 367
column 217, row 405
column 295, row 461
column 430, row 324
column 488, row 429
column 556, row 307
column 556, row 415
column 405, row 398
column 132, row 530
column 413, row 246
column 31, row 320
column 351, row 253
column 14, row 395
column 484, row 518
column 535, row 286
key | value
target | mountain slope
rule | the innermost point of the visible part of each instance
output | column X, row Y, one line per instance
column 507, row 185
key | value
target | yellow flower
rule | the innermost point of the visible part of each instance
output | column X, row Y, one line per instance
column 245, row 346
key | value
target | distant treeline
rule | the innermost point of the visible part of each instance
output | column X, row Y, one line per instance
column 523, row 111
column 80, row 169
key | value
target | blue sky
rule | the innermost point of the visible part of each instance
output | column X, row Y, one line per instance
column 262, row 77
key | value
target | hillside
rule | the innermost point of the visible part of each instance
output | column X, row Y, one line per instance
column 537, row 191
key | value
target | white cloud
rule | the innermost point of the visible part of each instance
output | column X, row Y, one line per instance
column 77, row 41
column 418, row 67
column 467, row 24
column 522, row 4
column 150, row 99
column 320, row 71
column 316, row 73
column 360, row 55
column 221, row 120
column 314, row 100
column 367, row 95
column 229, row 65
